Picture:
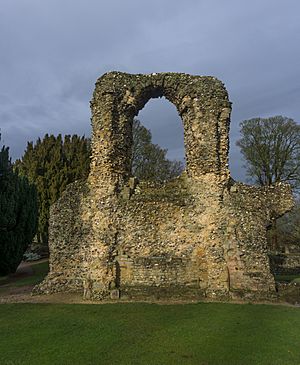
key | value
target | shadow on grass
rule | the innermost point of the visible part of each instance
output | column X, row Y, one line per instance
column 287, row 278
column 32, row 277
column 40, row 270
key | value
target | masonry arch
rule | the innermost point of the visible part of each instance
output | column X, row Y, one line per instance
column 201, row 235
column 201, row 102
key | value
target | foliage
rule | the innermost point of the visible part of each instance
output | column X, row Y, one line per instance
column 140, row 333
column 51, row 164
column 18, row 215
column 271, row 148
column 149, row 160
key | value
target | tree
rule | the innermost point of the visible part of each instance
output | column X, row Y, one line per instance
column 51, row 164
column 149, row 160
column 271, row 148
column 18, row 215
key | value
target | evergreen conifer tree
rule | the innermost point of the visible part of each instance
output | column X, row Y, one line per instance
column 18, row 215
column 51, row 164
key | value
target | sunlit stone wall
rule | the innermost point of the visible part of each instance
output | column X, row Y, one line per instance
column 199, row 235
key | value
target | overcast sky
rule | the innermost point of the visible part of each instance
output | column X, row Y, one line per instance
column 52, row 52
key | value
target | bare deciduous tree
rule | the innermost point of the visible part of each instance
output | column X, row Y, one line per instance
column 271, row 149
column 149, row 161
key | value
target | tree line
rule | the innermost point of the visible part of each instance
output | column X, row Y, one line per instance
column 270, row 147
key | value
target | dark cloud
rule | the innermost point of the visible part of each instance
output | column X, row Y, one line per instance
column 52, row 52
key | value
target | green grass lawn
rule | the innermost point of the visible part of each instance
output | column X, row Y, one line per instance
column 200, row 334
column 287, row 278
column 40, row 270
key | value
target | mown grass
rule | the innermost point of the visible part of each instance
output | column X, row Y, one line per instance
column 8, row 283
column 287, row 277
column 200, row 334
column 40, row 270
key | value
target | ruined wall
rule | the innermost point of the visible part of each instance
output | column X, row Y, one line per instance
column 200, row 235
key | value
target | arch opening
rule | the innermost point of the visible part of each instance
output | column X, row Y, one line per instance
column 158, row 152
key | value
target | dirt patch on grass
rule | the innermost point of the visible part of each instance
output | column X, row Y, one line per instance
column 77, row 298
column 23, row 295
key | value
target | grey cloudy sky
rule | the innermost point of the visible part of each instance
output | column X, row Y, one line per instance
column 52, row 52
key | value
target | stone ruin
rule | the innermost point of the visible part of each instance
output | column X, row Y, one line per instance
column 201, row 235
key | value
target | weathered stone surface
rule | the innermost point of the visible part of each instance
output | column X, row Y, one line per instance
column 200, row 235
